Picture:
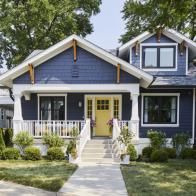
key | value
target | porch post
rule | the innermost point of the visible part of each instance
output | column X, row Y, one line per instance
column 135, row 116
column 17, row 113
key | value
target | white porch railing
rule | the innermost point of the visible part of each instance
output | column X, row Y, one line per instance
column 37, row 128
column 84, row 137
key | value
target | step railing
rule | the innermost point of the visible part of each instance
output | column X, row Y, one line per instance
column 38, row 128
column 84, row 136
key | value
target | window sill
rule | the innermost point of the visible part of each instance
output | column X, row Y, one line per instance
column 159, row 125
column 159, row 69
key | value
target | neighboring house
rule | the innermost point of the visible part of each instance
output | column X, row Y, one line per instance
column 149, row 84
column 6, row 108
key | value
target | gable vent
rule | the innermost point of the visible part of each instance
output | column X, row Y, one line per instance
column 75, row 71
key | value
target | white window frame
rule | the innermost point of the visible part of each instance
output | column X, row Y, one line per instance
column 158, row 95
column 159, row 44
column 50, row 95
column 93, row 97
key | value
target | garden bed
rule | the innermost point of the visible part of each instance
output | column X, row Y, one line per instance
column 48, row 175
column 177, row 177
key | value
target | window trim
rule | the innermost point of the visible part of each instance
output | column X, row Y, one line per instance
column 159, row 45
column 50, row 95
column 158, row 95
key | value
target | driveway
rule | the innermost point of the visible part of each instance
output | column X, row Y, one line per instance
column 12, row 189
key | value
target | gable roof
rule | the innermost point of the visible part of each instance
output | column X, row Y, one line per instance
column 7, row 77
column 172, row 34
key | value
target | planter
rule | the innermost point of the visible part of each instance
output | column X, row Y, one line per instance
column 72, row 160
column 125, row 159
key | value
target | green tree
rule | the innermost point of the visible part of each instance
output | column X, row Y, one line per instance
column 26, row 25
column 142, row 15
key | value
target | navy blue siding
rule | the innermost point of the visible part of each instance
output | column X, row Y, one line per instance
column 185, row 113
column 29, row 108
column 88, row 68
column 181, row 60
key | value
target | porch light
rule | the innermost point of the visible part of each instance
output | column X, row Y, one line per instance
column 79, row 104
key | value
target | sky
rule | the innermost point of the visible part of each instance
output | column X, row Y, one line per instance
column 108, row 25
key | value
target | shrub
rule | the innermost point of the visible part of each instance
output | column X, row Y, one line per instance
column 147, row 151
column 194, row 153
column 2, row 143
column 23, row 140
column 157, row 139
column 132, row 152
column 32, row 153
column 180, row 141
column 186, row 153
column 159, row 156
column 53, row 141
column 71, row 149
column 11, row 153
column 171, row 152
column 55, row 153
column 8, row 137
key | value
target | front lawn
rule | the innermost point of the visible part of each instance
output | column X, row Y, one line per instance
column 177, row 177
column 48, row 175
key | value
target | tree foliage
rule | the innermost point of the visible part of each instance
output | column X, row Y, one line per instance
column 26, row 25
column 142, row 15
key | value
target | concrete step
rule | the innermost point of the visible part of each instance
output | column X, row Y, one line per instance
column 98, row 160
column 98, row 141
column 97, row 150
column 96, row 155
column 103, row 146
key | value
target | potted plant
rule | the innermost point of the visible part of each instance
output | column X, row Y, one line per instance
column 72, row 146
column 124, row 138
column 110, row 124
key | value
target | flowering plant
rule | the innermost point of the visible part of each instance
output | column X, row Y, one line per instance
column 110, row 123
column 93, row 123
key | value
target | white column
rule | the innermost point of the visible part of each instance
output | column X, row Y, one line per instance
column 17, row 119
column 135, row 116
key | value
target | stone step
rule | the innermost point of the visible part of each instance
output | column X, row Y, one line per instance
column 98, row 160
column 97, row 150
column 109, row 146
column 93, row 141
column 96, row 155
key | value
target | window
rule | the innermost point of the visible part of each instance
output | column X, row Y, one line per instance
column 116, row 108
column 158, row 57
column 89, row 108
column 52, row 108
column 103, row 104
column 160, row 109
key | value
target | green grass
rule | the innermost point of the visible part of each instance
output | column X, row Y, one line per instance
column 48, row 175
column 177, row 177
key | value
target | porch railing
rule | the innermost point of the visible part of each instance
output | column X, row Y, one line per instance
column 38, row 128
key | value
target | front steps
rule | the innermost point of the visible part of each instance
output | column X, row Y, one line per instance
column 98, row 151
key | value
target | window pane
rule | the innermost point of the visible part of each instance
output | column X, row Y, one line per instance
column 150, row 57
column 160, row 110
column 166, row 57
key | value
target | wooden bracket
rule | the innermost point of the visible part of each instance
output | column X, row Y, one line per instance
column 118, row 73
column 137, row 46
column 159, row 32
column 181, row 47
column 31, row 73
column 75, row 49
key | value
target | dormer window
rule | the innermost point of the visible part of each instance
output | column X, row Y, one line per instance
column 160, row 57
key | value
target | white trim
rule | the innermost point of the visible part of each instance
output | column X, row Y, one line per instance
column 130, row 55
column 160, row 94
column 159, row 44
column 193, row 120
column 8, row 77
column 51, row 95
column 112, row 96
column 187, row 60
column 64, row 88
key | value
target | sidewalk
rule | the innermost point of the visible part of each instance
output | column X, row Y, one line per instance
column 95, row 180
column 12, row 189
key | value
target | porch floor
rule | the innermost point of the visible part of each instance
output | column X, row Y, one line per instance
column 95, row 179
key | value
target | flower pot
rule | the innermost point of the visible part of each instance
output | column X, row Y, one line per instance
column 72, row 159
column 125, row 159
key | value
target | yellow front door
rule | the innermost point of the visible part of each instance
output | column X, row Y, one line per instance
column 102, row 115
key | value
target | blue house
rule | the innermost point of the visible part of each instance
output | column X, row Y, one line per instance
column 148, row 84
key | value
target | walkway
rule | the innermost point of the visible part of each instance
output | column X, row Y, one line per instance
column 12, row 189
column 95, row 180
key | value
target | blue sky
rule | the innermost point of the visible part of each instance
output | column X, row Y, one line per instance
column 108, row 24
